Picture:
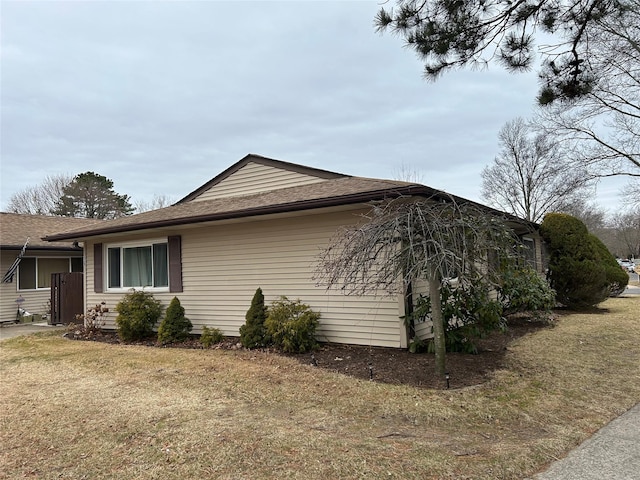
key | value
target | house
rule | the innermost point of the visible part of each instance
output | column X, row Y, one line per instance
column 27, row 261
column 259, row 223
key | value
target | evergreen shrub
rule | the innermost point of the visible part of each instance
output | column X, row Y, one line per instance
column 253, row 333
column 175, row 327
column 468, row 312
column 210, row 336
column 617, row 278
column 523, row 290
column 578, row 262
column 291, row 325
column 138, row 313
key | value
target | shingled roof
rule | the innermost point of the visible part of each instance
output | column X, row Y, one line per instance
column 16, row 228
column 333, row 192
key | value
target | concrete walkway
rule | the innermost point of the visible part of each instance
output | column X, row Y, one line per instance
column 17, row 329
column 613, row 452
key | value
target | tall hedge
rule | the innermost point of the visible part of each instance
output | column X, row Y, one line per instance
column 578, row 262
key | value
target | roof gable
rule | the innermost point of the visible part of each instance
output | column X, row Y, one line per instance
column 255, row 174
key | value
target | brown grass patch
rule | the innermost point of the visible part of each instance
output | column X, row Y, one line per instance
column 73, row 409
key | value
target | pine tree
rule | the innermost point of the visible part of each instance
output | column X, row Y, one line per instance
column 90, row 195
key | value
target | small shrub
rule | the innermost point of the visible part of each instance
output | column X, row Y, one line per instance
column 417, row 345
column 468, row 315
column 138, row 313
column 175, row 327
column 95, row 318
column 523, row 290
column 253, row 333
column 210, row 336
column 292, row 325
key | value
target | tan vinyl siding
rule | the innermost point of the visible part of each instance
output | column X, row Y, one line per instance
column 423, row 329
column 223, row 264
column 36, row 301
column 256, row 178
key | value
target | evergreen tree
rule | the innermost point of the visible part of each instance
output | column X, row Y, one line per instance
column 90, row 195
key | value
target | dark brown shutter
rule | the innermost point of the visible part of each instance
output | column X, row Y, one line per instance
column 97, row 268
column 175, row 263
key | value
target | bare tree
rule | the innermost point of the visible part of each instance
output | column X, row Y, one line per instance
column 602, row 127
column 407, row 173
column 40, row 199
column 530, row 177
column 403, row 241
column 631, row 194
column 158, row 201
column 626, row 227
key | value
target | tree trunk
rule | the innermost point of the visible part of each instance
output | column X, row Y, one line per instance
column 438, row 324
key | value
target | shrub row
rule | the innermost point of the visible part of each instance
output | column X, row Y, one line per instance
column 287, row 325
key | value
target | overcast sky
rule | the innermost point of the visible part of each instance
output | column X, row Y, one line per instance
column 160, row 97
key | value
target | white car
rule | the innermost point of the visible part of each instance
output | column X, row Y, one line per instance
column 627, row 266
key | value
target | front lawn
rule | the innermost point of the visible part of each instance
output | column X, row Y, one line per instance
column 74, row 409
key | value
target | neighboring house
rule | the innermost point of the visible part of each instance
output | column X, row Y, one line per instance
column 260, row 223
column 27, row 261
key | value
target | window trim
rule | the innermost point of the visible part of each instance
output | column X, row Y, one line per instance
column 37, row 258
column 104, row 263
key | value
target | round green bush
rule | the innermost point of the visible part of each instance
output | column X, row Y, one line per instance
column 578, row 262
column 523, row 290
column 138, row 313
column 617, row 278
column 291, row 325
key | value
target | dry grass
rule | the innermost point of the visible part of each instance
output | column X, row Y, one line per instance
column 72, row 409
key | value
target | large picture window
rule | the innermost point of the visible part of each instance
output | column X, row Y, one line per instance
column 35, row 272
column 132, row 266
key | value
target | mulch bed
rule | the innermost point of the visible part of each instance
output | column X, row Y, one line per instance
column 386, row 365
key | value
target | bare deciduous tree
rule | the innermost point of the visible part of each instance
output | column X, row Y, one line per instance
column 626, row 227
column 407, row 173
column 602, row 128
column 158, row 201
column 530, row 177
column 39, row 199
column 403, row 241
column 631, row 194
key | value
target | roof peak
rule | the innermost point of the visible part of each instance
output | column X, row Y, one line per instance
column 265, row 161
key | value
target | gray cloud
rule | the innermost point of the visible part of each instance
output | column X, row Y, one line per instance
column 162, row 96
